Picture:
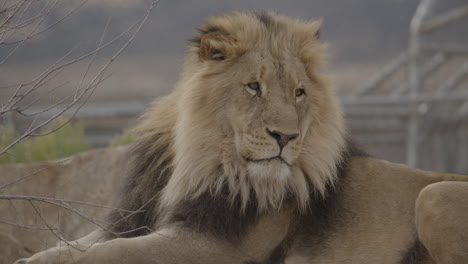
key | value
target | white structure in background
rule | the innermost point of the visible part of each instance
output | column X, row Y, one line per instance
column 418, row 104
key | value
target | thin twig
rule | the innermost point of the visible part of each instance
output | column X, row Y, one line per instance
column 31, row 174
column 59, row 200
column 26, row 226
column 91, row 86
column 52, row 230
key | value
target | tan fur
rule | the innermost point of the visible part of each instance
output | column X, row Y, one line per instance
column 442, row 212
column 198, row 109
column 216, row 128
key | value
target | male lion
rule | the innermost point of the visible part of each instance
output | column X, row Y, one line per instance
column 247, row 162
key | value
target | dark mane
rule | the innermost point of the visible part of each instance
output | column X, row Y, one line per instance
column 216, row 215
column 149, row 171
column 325, row 211
column 148, row 175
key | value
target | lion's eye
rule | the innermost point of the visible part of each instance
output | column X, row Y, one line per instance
column 299, row 92
column 254, row 88
column 218, row 56
column 254, row 85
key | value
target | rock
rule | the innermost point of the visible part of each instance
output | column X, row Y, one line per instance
column 91, row 177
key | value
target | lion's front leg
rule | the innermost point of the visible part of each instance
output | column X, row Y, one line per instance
column 55, row 255
column 66, row 252
column 168, row 246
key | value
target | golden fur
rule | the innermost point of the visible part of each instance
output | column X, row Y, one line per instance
column 253, row 122
column 198, row 110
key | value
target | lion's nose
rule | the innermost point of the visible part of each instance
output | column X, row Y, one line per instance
column 281, row 138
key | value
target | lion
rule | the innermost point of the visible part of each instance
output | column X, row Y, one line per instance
column 247, row 161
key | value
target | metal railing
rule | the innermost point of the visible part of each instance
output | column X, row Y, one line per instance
column 411, row 102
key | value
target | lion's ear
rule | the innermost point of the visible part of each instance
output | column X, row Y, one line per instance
column 314, row 28
column 214, row 46
column 309, row 46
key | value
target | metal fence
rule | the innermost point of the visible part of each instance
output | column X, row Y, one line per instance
column 415, row 110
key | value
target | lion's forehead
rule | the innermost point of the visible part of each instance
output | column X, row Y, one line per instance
column 264, row 66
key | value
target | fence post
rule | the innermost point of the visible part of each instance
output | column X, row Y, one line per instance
column 414, row 82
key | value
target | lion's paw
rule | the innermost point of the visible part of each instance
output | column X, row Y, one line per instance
column 22, row 261
column 50, row 256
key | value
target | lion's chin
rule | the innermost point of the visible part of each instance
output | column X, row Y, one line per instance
column 274, row 169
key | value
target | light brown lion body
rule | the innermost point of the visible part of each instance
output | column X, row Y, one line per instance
column 247, row 162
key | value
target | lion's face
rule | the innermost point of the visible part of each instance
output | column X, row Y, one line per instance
column 269, row 110
column 253, row 113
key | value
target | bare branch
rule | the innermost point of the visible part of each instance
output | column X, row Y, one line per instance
column 30, row 174
column 13, row 22
column 48, row 11
column 26, row 226
column 81, row 98
column 63, row 203
column 52, row 230
column 63, row 18
column 57, row 201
